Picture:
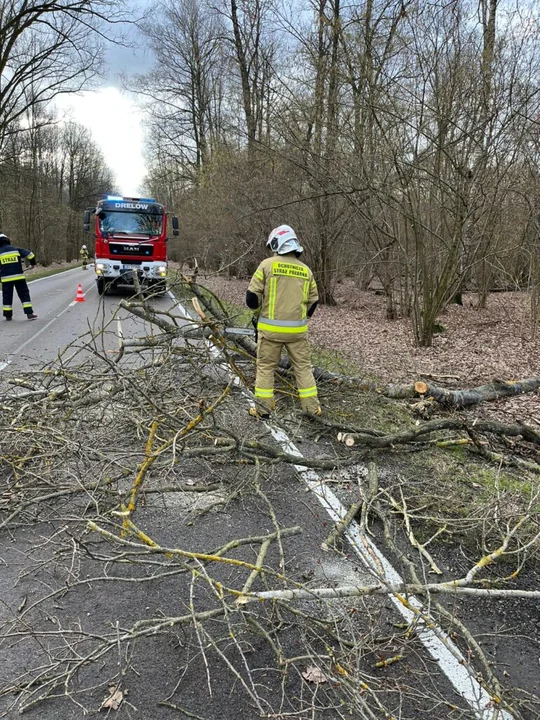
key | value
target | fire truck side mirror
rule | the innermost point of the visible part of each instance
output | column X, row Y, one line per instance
column 86, row 221
column 174, row 225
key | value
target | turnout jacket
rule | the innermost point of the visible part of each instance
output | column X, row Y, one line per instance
column 11, row 268
column 286, row 290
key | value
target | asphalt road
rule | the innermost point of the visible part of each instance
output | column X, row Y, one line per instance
column 62, row 322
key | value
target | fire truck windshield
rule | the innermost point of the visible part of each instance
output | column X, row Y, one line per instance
column 130, row 223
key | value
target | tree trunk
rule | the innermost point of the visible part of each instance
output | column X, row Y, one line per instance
column 464, row 398
column 243, row 67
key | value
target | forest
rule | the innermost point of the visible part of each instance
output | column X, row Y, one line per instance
column 399, row 138
column 50, row 167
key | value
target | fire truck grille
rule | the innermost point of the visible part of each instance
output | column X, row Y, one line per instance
column 131, row 249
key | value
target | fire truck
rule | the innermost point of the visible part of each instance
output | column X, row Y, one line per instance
column 130, row 242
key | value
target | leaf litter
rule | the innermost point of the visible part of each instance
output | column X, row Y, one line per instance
column 476, row 346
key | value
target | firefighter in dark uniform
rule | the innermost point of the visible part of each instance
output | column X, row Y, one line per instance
column 283, row 295
column 12, row 277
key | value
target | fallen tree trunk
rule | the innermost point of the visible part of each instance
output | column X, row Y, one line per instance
column 483, row 426
column 220, row 323
column 452, row 398
column 463, row 398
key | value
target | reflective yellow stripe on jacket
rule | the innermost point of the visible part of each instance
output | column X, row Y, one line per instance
column 272, row 285
column 289, row 327
column 11, row 278
column 305, row 298
column 7, row 258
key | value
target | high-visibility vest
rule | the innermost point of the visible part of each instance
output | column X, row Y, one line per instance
column 11, row 268
column 286, row 289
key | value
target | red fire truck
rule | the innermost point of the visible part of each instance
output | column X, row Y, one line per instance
column 131, row 241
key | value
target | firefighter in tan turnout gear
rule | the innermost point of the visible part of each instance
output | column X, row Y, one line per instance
column 283, row 293
column 84, row 255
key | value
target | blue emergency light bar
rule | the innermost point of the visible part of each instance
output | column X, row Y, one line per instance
column 119, row 197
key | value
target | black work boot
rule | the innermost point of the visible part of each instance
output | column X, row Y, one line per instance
column 8, row 317
column 32, row 316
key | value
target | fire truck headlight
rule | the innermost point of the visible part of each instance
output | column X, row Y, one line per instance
column 162, row 270
column 99, row 268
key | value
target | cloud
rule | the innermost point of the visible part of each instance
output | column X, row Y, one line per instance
column 127, row 52
column 115, row 122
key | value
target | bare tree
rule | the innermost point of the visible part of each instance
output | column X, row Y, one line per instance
column 253, row 54
column 395, row 137
column 48, row 48
column 54, row 172
column 183, row 90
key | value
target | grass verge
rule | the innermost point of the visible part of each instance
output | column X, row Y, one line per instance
column 46, row 272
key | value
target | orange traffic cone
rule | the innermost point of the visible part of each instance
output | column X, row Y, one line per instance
column 80, row 294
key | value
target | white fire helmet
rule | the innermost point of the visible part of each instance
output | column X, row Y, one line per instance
column 283, row 240
column 84, row 247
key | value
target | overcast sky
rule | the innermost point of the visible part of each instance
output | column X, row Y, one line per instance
column 113, row 117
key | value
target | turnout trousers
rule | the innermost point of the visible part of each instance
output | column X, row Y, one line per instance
column 268, row 355
column 7, row 296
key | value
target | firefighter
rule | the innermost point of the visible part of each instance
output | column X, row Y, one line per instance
column 12, row 276
column 283, row 295
column 83, row 252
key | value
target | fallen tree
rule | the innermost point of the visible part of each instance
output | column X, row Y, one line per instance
column 529, row 434
column 464, row 398
column 91, row 455
column 217, row 312
column 218, row 317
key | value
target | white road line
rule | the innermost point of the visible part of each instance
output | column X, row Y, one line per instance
column 4, row 365
column 36, row 335
column 439, row 645
column 442, row 649
column 39, row 332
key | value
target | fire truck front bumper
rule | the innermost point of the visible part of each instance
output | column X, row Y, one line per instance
column 123, row 271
